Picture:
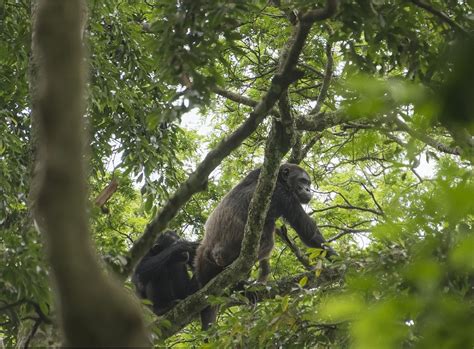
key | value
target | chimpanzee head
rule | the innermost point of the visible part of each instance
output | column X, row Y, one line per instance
column 297, row 181
column 164, row 241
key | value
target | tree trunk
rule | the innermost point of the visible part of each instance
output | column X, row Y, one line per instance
column 93, row 309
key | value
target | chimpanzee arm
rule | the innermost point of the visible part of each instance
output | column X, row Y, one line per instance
column 306, row 228
column 303, row 224
column 192, row 247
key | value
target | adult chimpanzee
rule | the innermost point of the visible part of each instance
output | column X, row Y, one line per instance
column 162, row 274
column 225, row 226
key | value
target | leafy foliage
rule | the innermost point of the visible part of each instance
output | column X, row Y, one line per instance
column 390, row 160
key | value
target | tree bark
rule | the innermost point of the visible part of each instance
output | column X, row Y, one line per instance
column 94, row 310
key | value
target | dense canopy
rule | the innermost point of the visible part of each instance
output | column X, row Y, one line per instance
column 160, row 107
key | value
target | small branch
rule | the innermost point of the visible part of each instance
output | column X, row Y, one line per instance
column 310, row 145
column 441, row 15
column 394, row 138
column 345, row 231
column 381, row 212
column 126, row 236
column 326, row 81
column 106, row 193
column 424, row 137
column 416, row 174
column 298, row 153
column 34, row 329
column 347, row 207
column 42, row 316
column 45, row 318
column 236, row 97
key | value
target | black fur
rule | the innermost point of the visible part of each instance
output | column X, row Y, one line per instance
column 162, row 274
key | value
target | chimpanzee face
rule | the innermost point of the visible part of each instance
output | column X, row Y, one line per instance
column 297, row 181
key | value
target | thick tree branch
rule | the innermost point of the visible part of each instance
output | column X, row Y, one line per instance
column 321, row 121
column 296, row 151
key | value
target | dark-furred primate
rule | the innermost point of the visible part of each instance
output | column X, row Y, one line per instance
column 162, row 275
column 225, row 226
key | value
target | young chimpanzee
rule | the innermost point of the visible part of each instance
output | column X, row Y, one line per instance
column 162, row 275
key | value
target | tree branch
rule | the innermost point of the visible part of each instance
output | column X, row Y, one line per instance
column 106, row 193
column 321, row 121
column 347, row 207
column 381, row 212
column 345, row 231
column 441, row 15
column 329, row 275
column 34, row 329
column 321, row 14
column 326, row 81
column 424, row 137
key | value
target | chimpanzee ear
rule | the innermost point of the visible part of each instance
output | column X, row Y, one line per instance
column 285, row 173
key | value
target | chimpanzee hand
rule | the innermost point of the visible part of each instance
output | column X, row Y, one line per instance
column 330, row 253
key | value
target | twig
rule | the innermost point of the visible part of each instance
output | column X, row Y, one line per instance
column 32, row 333
column 347, row 207
column 381, row 212
column 345, row 231
column 424, row 137
column 326, row 81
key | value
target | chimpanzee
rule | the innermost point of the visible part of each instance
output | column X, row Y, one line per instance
column 162, row 274
column 225, row 226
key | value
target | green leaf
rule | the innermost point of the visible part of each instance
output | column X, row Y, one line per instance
column 303, row 281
